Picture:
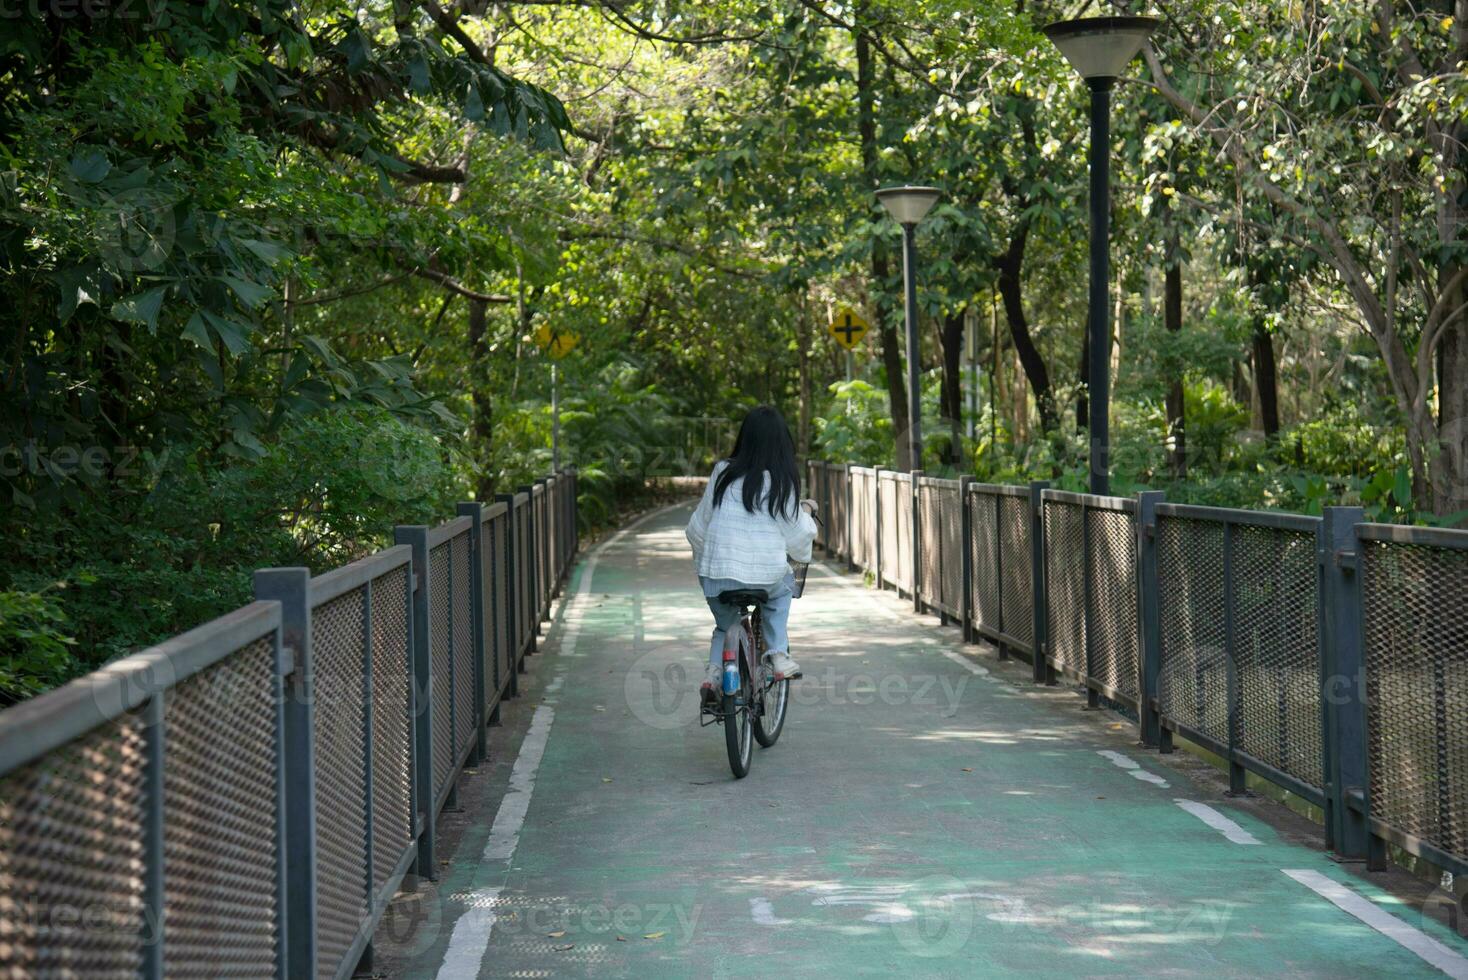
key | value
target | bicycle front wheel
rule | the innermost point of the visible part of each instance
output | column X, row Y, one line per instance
column 771, row 720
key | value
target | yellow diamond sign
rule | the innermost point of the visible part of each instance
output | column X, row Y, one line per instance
column 557, row 343
column 848, row 328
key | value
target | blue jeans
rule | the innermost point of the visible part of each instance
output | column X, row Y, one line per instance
column 774, row 613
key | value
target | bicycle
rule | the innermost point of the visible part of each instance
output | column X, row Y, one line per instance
column 753, row 701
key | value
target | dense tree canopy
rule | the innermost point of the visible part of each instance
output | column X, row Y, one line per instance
column 274, row 272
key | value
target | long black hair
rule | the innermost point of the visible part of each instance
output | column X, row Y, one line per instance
column 764, row 446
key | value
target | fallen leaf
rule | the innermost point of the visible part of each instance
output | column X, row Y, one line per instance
column 655, row 935
column 555, row 935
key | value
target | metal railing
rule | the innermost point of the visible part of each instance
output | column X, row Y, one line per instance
column 246, row 798
column 1328, row 656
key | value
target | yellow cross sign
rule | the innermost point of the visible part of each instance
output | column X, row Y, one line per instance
column 558, row 343
column 848, row 328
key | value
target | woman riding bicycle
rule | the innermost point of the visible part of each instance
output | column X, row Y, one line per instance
column 747, row 529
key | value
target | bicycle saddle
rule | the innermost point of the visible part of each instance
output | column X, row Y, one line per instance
column 744, row 598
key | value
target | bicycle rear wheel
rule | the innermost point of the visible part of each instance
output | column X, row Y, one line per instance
column 771, row 720
column 738, row 737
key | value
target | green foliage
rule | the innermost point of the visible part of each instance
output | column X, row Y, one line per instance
column 857, row 428
column 35, row 651
column 272, row 272
column 149, row 564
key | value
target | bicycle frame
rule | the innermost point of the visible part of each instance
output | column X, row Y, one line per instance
column 742, row 643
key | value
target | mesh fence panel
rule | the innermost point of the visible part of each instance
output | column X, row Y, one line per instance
column 1116, row 643
column 338, row 647
column 392, row 721
column 902, row 558
column 887, row 487
column 984, row 555
column 836, row 525
column 461, row 614
column 1193, row 679
column 494, row 613
column 553, row 537
column 503, row 598
column 71, row 831
column 1018, row 587
column 1066, row 587
column 864, row 519
column 929, row 530
column 1415, row 608
column 1276, row 649
column 951, row 571
column 219, row 830
column 543, row 530
column 441, row 637
column 524, row 576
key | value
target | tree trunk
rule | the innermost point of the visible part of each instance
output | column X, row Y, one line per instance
column 1266, row 386
column 951, row 400
column 482, row 424
column 1010, row 266
column 866, row 123
column 1172, row 319
column 1450, row 494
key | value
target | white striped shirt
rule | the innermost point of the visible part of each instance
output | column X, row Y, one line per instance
column 730, row 542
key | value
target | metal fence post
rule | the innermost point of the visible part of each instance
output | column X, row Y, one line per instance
column 291, row 587
column 965, row 542
column 915, row 550
column 475, row 511
column 1343, row 680
column 1148, row 596
column 1041, row 623
column 416, row 537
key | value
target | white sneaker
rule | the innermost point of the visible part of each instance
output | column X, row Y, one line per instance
column 713, row 680
column 783, row 666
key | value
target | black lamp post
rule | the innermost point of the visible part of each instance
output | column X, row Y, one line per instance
column 1099, row 48
column 908, row 205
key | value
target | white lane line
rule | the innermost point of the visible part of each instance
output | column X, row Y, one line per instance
column 1133, row 767
column 1409, row 937
column 763, row 913
column 966, row 663
column 1218, row 821
column 1125, row 762
column 469, row 940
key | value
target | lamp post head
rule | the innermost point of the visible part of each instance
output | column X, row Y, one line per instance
column 1100, row 47
column 908, row 204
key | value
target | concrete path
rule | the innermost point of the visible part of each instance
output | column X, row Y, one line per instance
column 926, row 813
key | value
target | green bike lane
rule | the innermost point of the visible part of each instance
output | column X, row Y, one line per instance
column 925, row 812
